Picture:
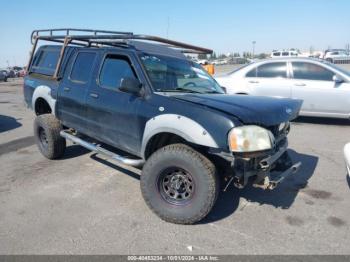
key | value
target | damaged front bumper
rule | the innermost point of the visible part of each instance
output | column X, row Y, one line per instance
column 267, row 170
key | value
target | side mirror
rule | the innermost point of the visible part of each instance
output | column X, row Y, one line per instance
column 130, row 85
column 224, row 89
column 338, row 79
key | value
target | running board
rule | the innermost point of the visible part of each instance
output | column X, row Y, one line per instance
column 98, row 149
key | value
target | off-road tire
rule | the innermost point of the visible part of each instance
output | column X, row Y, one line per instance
column 201, row 169
column 54, row 145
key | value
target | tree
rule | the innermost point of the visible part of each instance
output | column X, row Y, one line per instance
column 236, row 55
column 262, row 56
column 202, row 56
column 247, row 55
column 311, row 50
column 213, row 56
column 222, row 56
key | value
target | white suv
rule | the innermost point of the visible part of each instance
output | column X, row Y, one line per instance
column 336, row 55
column 284, row 53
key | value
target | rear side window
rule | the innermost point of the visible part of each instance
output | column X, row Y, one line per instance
column 45, row 62
column 270, row 70
column 114, row 69
column 82, row 67
column 309, row 71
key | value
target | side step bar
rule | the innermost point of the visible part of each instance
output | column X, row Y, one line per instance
column 98, row 149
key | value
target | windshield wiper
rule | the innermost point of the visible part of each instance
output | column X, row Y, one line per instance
column 180, row 89
column 212, row 92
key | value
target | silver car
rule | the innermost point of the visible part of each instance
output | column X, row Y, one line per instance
column 324, row 87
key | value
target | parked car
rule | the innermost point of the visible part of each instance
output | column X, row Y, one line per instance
column 219, row 62
column 11, row 73
column 202, row 61
column 284, row 53
column 3, row 75
column 337, row 56
column 21, row 73
column 322, row 86
column 163, row 112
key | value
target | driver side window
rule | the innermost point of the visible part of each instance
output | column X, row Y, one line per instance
column 114, row 69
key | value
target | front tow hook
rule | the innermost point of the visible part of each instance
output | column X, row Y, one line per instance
column 292, row 170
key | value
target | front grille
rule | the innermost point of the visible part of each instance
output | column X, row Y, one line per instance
column 274, row 130
column 279, row 134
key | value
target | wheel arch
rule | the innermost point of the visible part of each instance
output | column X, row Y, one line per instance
column 42, row 96
column 167, row 129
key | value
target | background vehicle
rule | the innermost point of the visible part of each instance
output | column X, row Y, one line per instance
column 11, row 73
column 219, row 62
column 337, row 56
column 322, row 86
column 202, row 61
column 21, row 73
column 284, row 53
column 18, row 71
column 3, row 75
column 160, row 110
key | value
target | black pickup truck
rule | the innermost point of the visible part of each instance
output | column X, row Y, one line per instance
column 140, row 101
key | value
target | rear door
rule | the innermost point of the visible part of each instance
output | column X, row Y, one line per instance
column 322, row 96
column 71, row 106
column 112, row 114
column 269, row 79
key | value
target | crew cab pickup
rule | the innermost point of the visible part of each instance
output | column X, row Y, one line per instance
column 140, row 101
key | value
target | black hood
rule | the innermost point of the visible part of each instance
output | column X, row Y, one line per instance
column 266, row 111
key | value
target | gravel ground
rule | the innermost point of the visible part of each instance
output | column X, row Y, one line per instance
column 84, row 204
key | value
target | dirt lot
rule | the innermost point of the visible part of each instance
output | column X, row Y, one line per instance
column 83, row 204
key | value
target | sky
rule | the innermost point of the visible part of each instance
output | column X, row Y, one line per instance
column 222, row 25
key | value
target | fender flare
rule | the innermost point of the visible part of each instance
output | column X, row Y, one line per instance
column 179, row 125
column 44, row 92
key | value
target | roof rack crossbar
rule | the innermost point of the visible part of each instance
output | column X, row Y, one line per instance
column 102, row 38
column 68, row 31
column 110, row 35
column 170, row 43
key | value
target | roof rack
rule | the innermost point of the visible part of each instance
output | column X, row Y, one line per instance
column 90, row 37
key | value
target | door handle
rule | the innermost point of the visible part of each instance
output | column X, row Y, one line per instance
column 253, row 82
column 300, row 84
column 67, row 89
column 94, row 95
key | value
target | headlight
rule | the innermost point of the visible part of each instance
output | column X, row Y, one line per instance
column 249, row 139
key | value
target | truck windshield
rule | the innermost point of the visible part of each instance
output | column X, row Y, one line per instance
column 168, row 74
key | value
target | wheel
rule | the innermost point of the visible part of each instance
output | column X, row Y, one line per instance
column 179, row 184
column 47, row 136
column 329, row 60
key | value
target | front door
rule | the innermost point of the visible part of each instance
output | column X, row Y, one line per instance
column 322, row 96
column 112, row 114
column 269, row 79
